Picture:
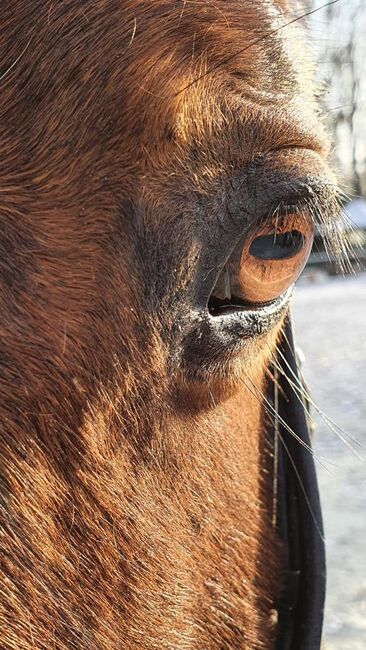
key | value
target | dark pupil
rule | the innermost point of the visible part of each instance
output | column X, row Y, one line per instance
column 277, row 246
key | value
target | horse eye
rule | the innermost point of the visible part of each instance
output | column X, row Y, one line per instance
column 264, row 265
column 277, row 246
column 272, row 259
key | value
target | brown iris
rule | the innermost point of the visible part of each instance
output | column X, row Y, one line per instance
column 265, row 265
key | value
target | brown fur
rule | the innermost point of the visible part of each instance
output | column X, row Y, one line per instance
column 135, row 492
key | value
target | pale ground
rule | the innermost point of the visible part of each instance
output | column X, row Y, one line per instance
column 330, row 323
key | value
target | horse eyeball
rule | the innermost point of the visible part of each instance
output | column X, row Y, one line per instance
column 272, row 259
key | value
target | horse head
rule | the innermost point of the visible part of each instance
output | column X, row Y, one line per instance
column 162, row 168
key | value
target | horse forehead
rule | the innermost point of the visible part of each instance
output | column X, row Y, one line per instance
column 138, row 45
column 252, row 46
column 219, row 69
column 108, row 73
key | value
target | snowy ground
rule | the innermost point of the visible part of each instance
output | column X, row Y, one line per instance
column 330, row 324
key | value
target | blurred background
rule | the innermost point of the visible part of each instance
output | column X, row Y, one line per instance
column 330, row 321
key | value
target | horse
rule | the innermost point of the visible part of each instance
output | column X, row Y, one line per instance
column 162, row 168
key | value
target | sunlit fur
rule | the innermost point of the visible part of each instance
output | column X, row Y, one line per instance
column 135, row 501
